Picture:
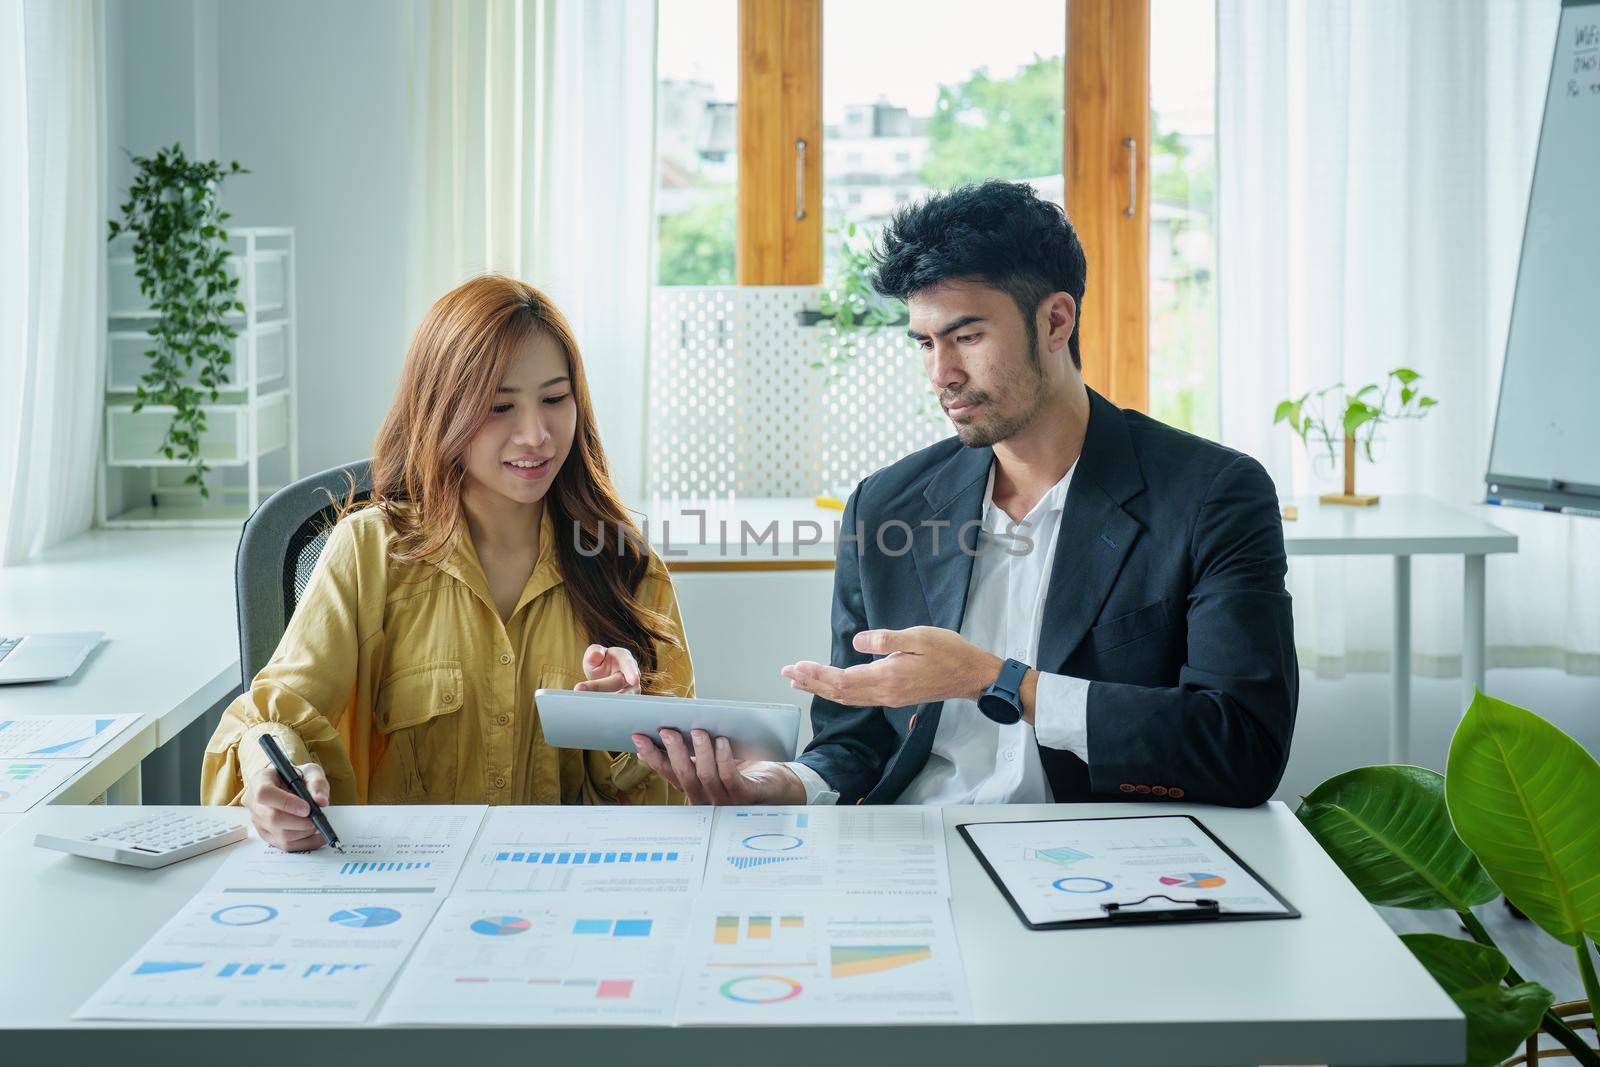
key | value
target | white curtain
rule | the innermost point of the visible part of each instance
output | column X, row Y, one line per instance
column 533, row 153
column 1373, row 168
column 52, row 234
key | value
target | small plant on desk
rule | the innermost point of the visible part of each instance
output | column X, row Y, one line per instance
column 1395, row 398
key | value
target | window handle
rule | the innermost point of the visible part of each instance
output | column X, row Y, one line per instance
column 799, row 178
column 1133, row 176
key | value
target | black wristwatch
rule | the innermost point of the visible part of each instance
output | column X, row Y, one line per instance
column 1002, row 701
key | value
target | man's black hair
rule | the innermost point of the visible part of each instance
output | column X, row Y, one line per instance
column 1000, row 233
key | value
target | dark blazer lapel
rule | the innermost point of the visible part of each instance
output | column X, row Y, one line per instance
column 954, row 495
column 1095, row 535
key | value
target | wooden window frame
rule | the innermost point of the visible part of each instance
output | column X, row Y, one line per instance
column 1107, row 106
column 780, row 106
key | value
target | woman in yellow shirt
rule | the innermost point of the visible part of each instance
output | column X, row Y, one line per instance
column 492, row 552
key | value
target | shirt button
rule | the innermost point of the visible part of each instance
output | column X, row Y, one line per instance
column 499, row 782
column 1011, row 754
column 1141, row 788
column 449, row 698
column 1126, row 787
column 1175, row 793
column 505, row 657
column 502, row 719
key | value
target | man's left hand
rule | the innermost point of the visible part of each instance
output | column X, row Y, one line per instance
column 919, row 665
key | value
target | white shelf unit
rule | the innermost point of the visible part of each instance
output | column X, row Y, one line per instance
column 254, row 416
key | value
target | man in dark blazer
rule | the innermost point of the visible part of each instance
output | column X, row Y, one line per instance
column 1066, row 601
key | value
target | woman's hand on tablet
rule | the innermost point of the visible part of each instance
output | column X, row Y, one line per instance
column 608, row 670
column 705, row 771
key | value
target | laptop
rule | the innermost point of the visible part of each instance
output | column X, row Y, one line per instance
column 44, row 657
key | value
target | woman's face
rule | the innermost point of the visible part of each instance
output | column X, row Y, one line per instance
column 528, row 433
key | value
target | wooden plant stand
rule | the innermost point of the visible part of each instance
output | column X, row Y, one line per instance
column 1349, row 496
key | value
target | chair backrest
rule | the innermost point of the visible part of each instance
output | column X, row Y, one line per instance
column 278, row 549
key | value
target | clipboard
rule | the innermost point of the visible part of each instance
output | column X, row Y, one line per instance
column 1139, row 907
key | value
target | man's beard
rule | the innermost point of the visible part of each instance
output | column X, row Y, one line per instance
column 985, row 432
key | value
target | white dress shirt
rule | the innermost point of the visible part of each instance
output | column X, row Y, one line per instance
column 974, row 760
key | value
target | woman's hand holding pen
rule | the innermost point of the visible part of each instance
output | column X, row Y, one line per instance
column 278, row 815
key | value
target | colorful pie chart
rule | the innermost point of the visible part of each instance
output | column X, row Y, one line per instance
column 1195, row 880
column 501, row 926
column 364, row 917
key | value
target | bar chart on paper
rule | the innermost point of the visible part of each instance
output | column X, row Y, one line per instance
column 533, row 957
column 821, row 957
column 229, row 955
column 591, row 850
column 24, row 783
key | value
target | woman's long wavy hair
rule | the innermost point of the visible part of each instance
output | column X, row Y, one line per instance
column 457, row 360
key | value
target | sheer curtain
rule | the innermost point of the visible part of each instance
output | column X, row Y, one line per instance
column 1374, row 161
column 533, row 153
column 52, row 234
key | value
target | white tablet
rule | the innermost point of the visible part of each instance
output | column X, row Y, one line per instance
column 608, row 721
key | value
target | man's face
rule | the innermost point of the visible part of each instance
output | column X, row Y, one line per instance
column 976, row 353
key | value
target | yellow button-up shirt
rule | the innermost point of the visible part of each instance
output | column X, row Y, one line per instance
column 401, row 681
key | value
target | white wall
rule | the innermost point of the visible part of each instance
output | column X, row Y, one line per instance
column 313, row 101
column 311, row 97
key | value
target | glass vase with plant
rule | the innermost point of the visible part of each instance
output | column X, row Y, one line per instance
column 180, row 254
column 1362, row 412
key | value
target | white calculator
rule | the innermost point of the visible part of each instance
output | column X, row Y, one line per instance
column 150, row 840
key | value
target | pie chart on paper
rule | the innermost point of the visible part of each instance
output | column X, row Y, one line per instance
column 1194, row 880
column 364, row 917
column 501, row 926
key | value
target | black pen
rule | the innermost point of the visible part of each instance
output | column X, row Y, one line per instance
column 295, row 782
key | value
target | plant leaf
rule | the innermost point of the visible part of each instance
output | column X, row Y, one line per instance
column 1389, row 831
column 1525, row 798
column 1405, row 374
column 1498, row 1018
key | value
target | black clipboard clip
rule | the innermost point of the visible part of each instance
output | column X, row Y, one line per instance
column 1185, row 910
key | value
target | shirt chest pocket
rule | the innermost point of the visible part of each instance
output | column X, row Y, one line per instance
column 417, row 712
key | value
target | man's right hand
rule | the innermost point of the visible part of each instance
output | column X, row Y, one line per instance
column 705, row 771
column 278, row 815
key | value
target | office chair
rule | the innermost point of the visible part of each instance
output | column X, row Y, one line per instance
column 278, row 549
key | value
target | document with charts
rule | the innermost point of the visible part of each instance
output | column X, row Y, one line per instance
column 25, row 782
column 314, row 936
column 388, row 851
column 1065, row 870
column 59, row 736
column 537, row 958
column 882, row 851
column 789, row 959
column 589, row 850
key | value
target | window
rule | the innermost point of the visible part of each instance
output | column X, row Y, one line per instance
column 1182, row 217
column 889, row 105
column 909, row 106
column 697, row 149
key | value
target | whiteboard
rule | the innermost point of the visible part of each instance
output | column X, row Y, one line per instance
column 1547, row 428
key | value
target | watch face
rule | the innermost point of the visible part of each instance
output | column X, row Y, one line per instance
column 999, row 709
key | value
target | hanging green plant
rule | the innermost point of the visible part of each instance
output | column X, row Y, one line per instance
column 180, row 253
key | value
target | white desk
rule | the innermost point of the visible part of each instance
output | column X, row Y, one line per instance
column 165, row 601
column 793, row 534
column 1334, row 986
column 1402, row 527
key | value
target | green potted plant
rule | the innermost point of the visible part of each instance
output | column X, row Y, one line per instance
column 180, row 252
column 1517, row 812
column 1361, row 414
column 850, row 304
